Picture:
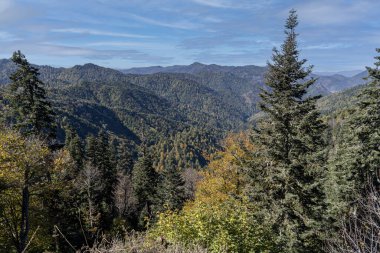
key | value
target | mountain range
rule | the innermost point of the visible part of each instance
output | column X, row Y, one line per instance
column 150, row 104
column 326, row 84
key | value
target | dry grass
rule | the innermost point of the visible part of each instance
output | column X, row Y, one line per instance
column 137, row 243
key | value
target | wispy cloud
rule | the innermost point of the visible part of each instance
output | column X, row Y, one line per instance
column 214, row 3
column 99, row 33
column 326, row 46
column 129, row 44
column 186, row 25
column 227, row 40
column 5, row 5
column 118, row 44
column 334, row 12
column 6, row 36
column 11, row 11
column 134, row 55
column 56, row 50
column 233, row 4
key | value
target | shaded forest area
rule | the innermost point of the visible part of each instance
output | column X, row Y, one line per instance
column 100, row 163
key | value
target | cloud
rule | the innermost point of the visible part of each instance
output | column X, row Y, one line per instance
column 5, row 5
column 233, row 4
column 186, row 25
column 6, row 36
column 326, row 46
column 11, row 11
column 94, row 54
column 118, row 44
column 334, row 12
column 130, row 44
column 99, row 33
column 46, row 49
column 229, row 40
column 214, row 3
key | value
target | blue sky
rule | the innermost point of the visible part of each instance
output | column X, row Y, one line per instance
column 335, row 35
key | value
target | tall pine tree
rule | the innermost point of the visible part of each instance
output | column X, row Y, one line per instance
column 31, row 112
column 286, row 179
column 171, row 190
column 101, row 155
column 73, row 144
column 90, row 149
column 367, row 128
column 106, row 165
column 144, row 181
column 355, row 157
column 124, row 158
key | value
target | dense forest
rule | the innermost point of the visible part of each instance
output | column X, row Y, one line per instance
column 198, row 158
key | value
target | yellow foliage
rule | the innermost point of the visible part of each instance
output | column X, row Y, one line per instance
column 225, row 176
column 27, row 161
column 21, row 160
column 220, row 217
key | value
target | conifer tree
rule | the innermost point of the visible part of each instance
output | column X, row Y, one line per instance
column 171, row 191
column 124, row 158
column 144, row 181
column 90, row 149
column 106, row 166
column 105, row 163
column 289, row 169
column 101, row 156
column 367, row 125
column 73, row 144
column 355, row 158
column 31, row 112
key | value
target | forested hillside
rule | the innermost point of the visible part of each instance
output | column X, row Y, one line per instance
column 198, row 158
column 215, row 96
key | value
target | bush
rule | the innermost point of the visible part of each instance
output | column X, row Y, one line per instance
column 228, row 226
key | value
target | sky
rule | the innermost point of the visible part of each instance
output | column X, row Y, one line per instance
column 334, row 35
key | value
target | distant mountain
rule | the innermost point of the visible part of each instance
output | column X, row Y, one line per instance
column 348, row 73
column 6, row 68
column 336, row 83
column 195, row 68
column 325, row 85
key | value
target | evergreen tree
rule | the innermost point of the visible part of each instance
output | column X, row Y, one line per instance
column 73, row 144
column 124, row 158
column 105, row 162
column 31, row 112
column 105, row 165
column 144, row 181
column 355, row 157
column 367, row 125
column 171, row 190
column 90, row 149
column 102, row 156
column 289, row 166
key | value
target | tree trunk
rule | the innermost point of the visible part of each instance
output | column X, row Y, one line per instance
column 24, row 229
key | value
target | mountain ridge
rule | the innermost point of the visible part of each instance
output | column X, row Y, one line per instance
column 327, row 83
